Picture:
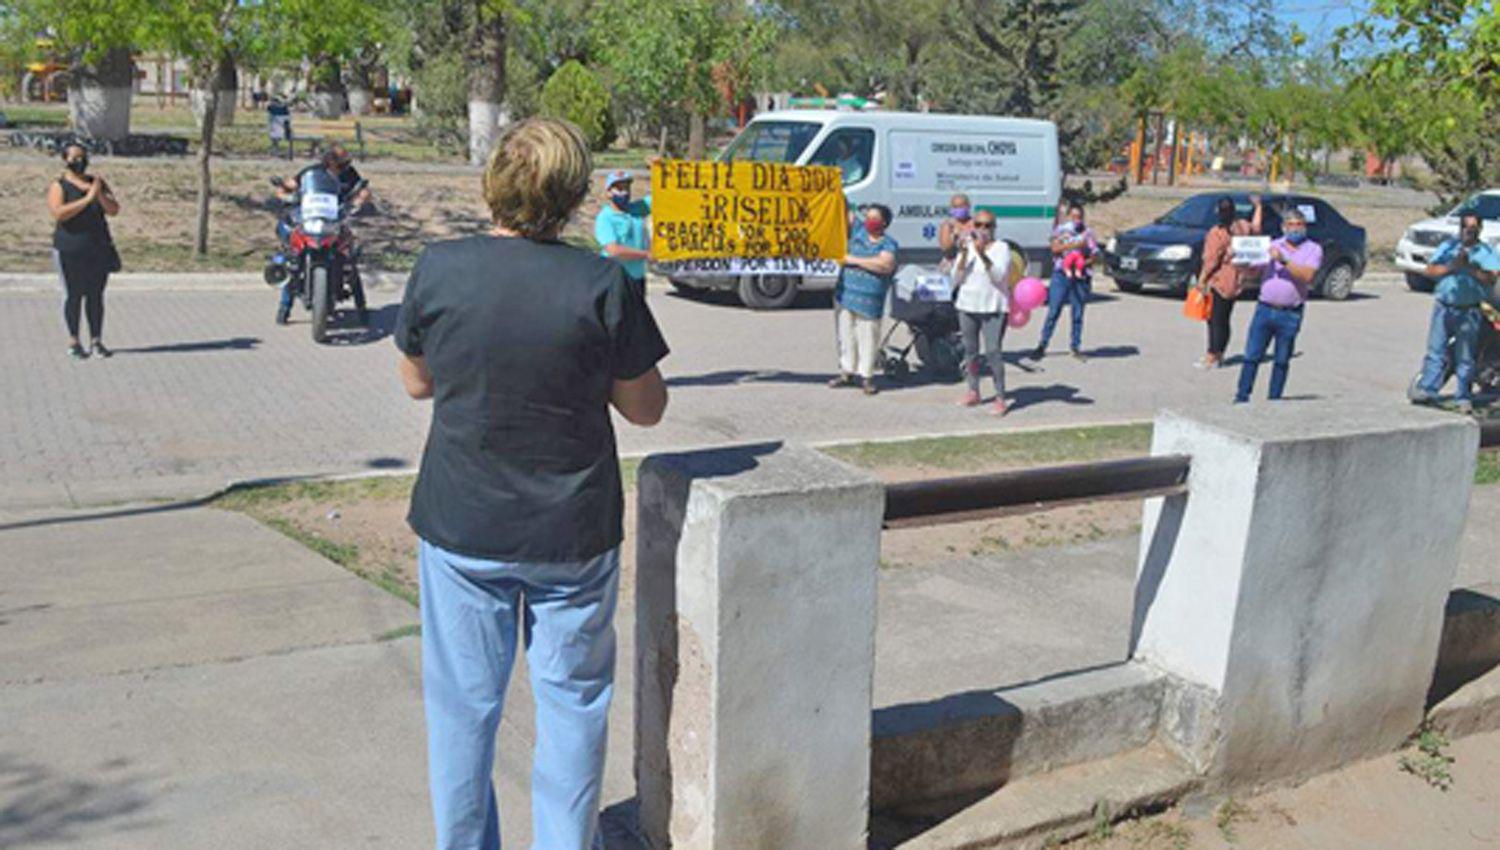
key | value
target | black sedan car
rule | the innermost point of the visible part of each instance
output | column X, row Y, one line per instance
column 1168, row 251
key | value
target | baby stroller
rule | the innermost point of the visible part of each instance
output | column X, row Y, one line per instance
column 922, row 301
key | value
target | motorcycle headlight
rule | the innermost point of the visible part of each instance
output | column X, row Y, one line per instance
column 1110, row 244
column 314, row 226
column 1175, row 252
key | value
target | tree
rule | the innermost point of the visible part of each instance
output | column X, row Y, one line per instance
column 662, row 56
column 211, row 35
column 1452, row 45
column 1439, row 59
column 97, row 36
column 575, row 94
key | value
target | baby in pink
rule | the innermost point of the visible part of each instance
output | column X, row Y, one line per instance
column 1075, row 263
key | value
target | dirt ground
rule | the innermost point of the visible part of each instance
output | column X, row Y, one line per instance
column 418, row 203
column 1373, row 805
column 156, row 226
column 364, row 526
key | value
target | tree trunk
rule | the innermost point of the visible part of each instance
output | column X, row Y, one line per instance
column 661, row 143
column 697, row 131
column 99, row 97
column 225, row 81
column 486, row 59
column 1156, row 150
column 205, row 172
column 1172, row 166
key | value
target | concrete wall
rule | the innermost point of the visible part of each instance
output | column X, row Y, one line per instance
column 755, row 649
column 1299, row 588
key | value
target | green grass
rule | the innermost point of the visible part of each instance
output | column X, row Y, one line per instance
column 343, row 554
column 1035, row 448
column 36, row 115
column 1429, row 763
column 1489, row 468
column 403, row 632
column 380, row 488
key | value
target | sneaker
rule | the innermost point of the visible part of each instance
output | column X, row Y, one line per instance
column 1416, row 395
column 1039, row 353
column 1205, row 363
column 1079, row 356
column 970, row 400
column 78, row 352
column 100, row 350
column 869, row 387
column 998, row 409
column 1464, row 406
column 841, row 382
column 282, row 316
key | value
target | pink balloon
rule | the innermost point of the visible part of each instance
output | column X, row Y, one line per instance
column 1019, row 318
column 1030, row 293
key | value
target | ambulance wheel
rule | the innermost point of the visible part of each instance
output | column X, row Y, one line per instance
column 768, row 292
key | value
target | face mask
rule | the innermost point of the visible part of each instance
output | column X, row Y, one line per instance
column 960, row 213
column 1296, row 237
column 1470, row 235
column 79, row 165
column 620, row 199
column 874, row 227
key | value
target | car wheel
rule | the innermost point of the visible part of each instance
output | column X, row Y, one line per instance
column 1338, row 283
column 768, row 292
column 1419, row 282
column 1126, row 285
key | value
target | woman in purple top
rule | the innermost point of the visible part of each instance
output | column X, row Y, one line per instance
column 1283, row 290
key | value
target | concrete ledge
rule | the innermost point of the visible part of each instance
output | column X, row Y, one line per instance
column 980, row 740
column 1471, row 709
column 1470, row 644
column 1039, row 811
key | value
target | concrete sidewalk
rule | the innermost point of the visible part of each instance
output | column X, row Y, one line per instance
column 189, row 678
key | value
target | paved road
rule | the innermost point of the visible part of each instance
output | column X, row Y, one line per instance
column 205, row 389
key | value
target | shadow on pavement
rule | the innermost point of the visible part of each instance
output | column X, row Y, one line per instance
column 806, row 300
column 346, row 331
column 42, row 809
column 238, row 343
column 164, row 508
column 748, row 376
column 1030, row 396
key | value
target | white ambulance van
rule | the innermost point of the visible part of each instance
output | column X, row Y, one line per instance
column 914, row 163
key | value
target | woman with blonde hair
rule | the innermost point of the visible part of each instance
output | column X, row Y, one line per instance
column 524, row 344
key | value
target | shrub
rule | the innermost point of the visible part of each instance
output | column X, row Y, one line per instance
column 575, row 94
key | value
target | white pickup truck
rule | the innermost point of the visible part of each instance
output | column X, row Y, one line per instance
column 1421, row 239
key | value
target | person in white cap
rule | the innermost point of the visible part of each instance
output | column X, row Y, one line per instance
column 620, row 228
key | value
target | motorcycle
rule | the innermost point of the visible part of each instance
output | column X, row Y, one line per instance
column 1486, row 355
column 318, row 256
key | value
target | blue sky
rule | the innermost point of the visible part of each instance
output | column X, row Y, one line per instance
column 1319, row 18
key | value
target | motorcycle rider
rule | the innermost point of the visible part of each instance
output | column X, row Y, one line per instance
column 1465, row 268
column 354, row 193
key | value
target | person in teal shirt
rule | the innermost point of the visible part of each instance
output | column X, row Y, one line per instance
column 859, row 297
column 620, row 228
column 1465, row 268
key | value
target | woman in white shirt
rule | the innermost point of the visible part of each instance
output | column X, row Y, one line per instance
column 982, row 278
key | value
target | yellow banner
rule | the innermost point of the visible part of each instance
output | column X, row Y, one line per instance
column 747, row 217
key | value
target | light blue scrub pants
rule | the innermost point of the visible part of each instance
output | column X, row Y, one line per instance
column 472, row 611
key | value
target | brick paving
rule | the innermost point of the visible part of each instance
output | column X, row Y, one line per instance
column 205, row 389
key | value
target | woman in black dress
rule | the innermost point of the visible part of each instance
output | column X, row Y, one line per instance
column 81, row 245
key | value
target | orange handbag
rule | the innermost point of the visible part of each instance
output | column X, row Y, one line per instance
column 1198, row 306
